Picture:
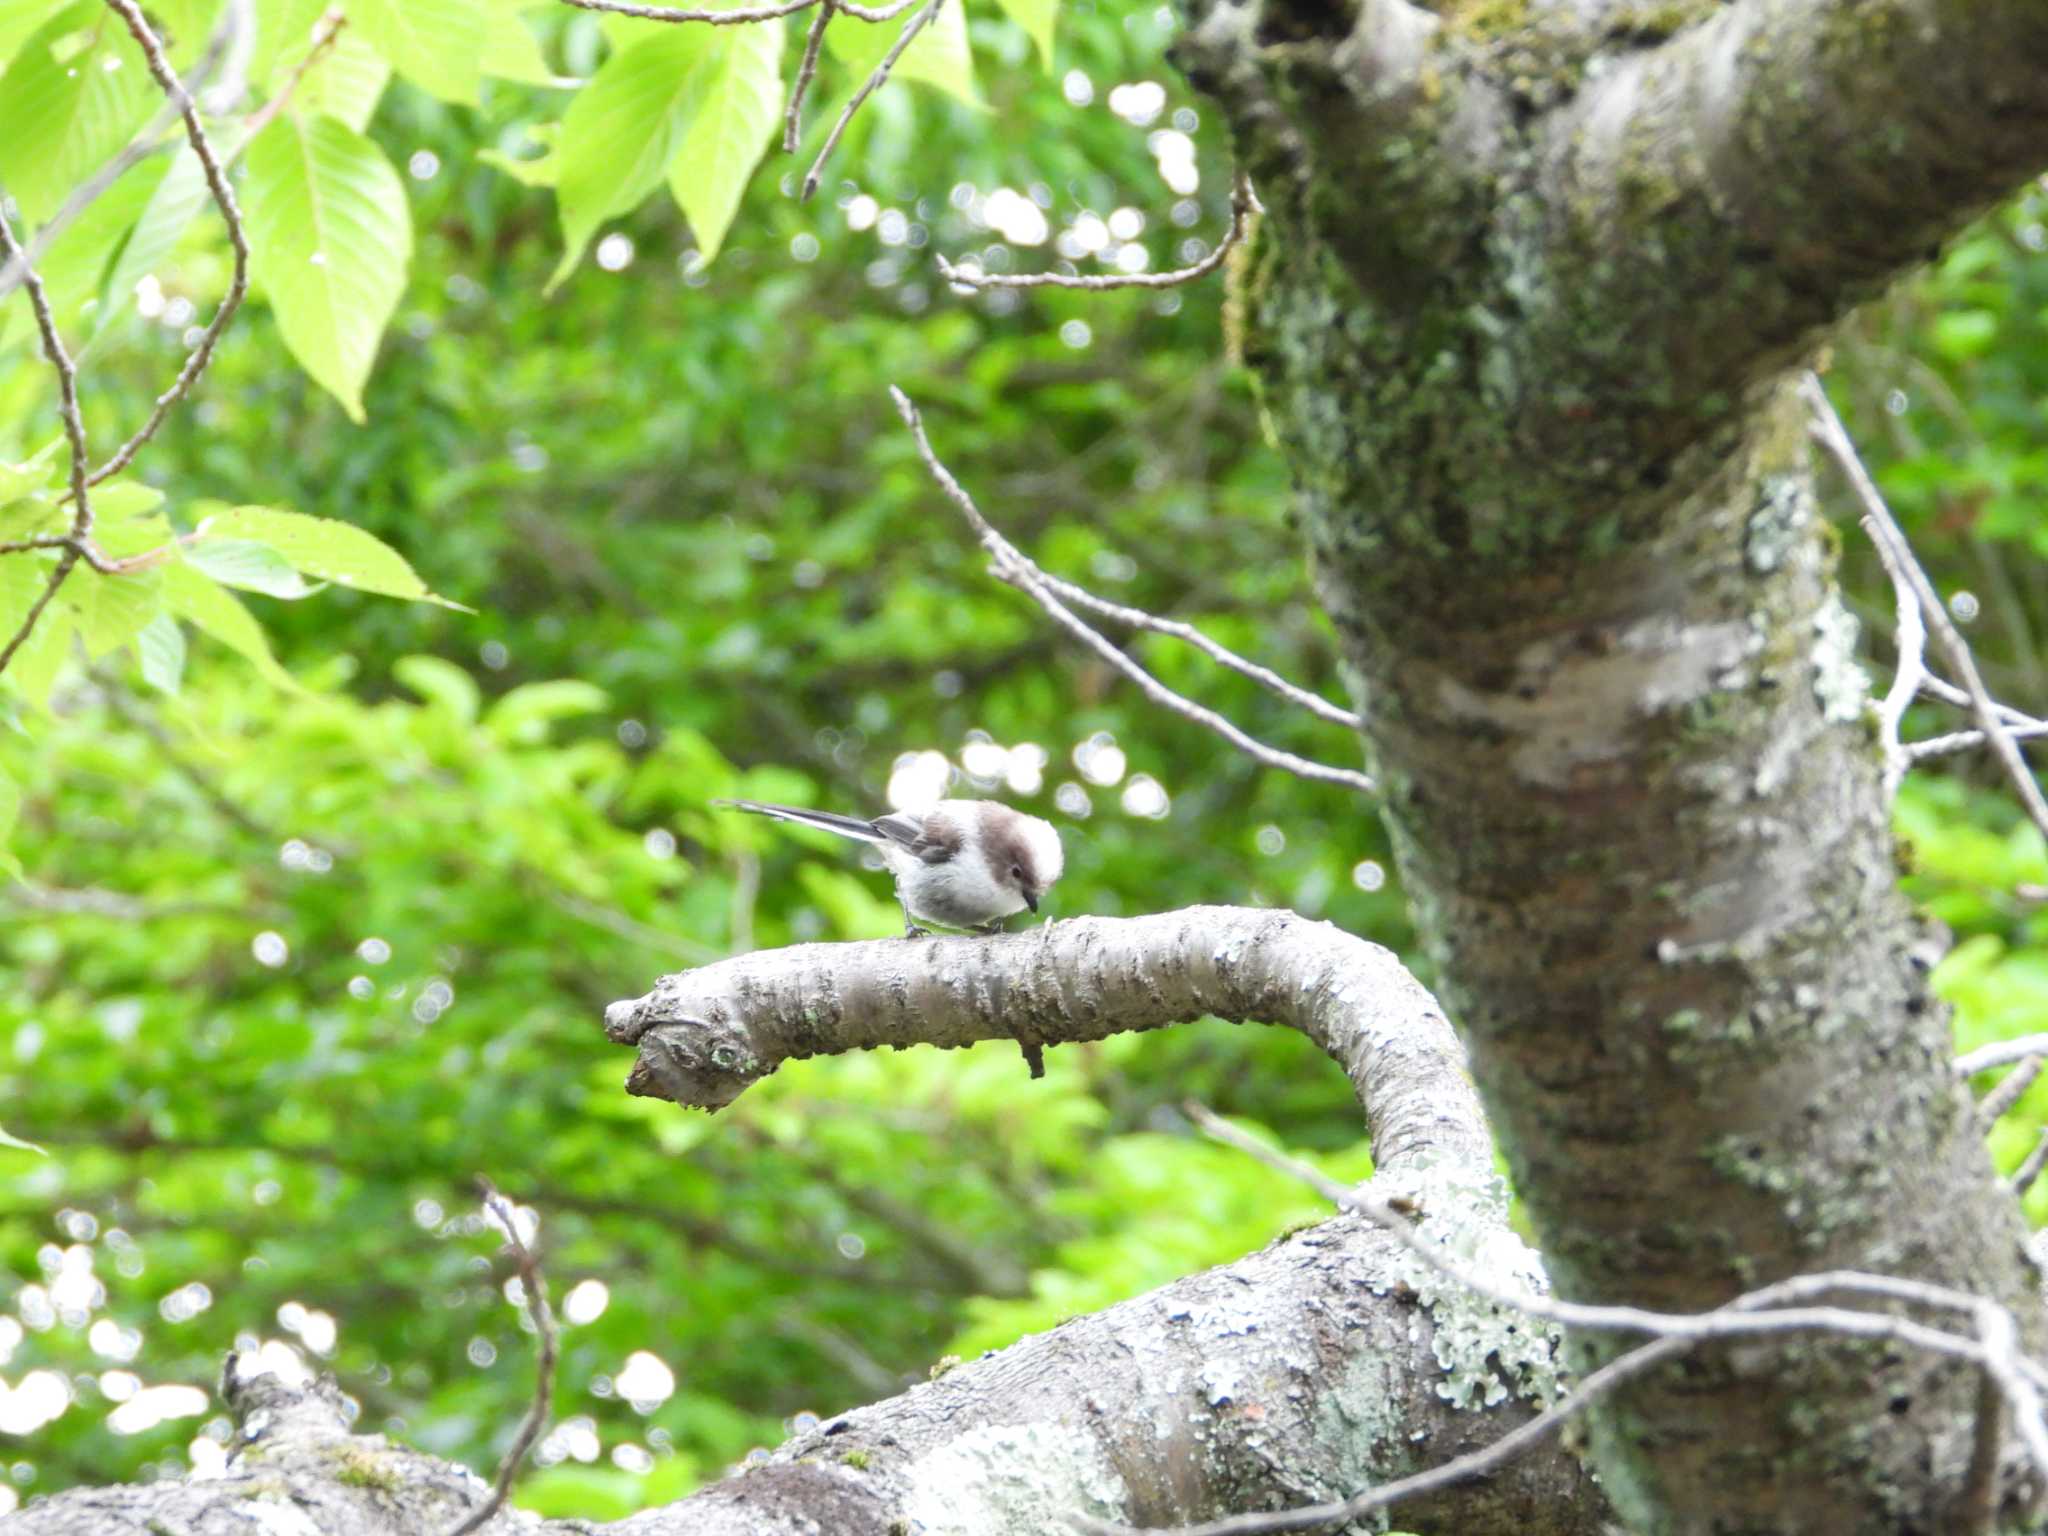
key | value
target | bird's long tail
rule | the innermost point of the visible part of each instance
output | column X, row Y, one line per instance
column 827, row 821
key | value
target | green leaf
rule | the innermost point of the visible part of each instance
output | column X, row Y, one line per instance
column 161, row 647
column 171, row 207
column 440, row 682
column 247, row 564
column 110, row 611
column 622, row 130
column 540, row 171
column 32, row 474
column 10, row 1140
column 936, row 56
column 76, row 261
column 512, row 51
column 75, row 93
column 18, row 22
column 524, row 714
column 346, row 82
column 739, row 112
column 436, row 44
column 1036, row 17
column 10, row 813
column 325, row 549
column 331, row 237
column 193, row 595
column 33, row 671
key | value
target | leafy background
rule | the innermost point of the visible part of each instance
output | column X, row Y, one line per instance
column 318, row 895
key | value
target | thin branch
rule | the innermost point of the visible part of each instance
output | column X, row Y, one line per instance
column 74, row 433
column 806, row 72
column 533, row 1291
column 1964, row 741
column 140, row 719
column 2007, row 1093
column 2023, row 1177
column 1242, row 206
column 1011, row 566
column 1978, row 1508
column 224, row 198
column 2000, row 1053
column 138, row 149
column 1828, row 430
column 1265, row 677
column 917, row 23
column 733, row 18
column 325, row 30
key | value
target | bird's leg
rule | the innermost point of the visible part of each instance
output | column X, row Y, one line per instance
column 998, row 926
column 911, row 928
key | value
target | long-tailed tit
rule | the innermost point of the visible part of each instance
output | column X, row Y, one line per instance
column 961, row 864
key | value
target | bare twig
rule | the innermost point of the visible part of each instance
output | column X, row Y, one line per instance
column 2023, row 1177
column 224, row 198
column 917, row 23
column 2007, row 1093
column 732, row 18
column 533, row 1291
column 2000, row 1053
column 1011, row 566
column 1828, row 430
column 806, row 72
column 1964, row 741
column 146, row 143
column 1265, row 677
column 325, row 30
column 1242, row 205
column 1977, row 1512
column 74, row 433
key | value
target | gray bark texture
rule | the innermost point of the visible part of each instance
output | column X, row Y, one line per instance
column 1331, row 1361
column 1522, row 308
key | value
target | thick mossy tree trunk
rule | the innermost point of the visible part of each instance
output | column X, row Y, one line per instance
column 1523, row 306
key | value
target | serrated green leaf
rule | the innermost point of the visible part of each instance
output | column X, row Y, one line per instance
column 1036, row 17
column 331, row 236
column 75, row 93
column 436, row 44
column 161, row 648
column 739, row 111
column 247, row 564
column 172, row 206
column 623, row 129
column 193, row 595
column 325, row 549
column 123, row 501
column 937, row 56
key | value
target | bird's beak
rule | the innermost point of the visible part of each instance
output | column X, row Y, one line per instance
column 1031, row 901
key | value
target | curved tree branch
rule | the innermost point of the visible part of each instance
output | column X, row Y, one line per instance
column 704, row 1036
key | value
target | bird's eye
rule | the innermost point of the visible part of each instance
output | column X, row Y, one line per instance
column 1016, row 871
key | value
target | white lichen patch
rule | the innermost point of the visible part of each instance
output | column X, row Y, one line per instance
column 1488, row 1352
column 1005, row 1478
column 1784, row 511
column 1838, row 679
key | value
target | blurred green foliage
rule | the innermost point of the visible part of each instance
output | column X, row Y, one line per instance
column 287, row 967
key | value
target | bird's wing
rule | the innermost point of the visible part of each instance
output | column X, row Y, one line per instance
column 933, row 838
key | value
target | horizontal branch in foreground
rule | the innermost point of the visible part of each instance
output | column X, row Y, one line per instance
column 1326, row 1363
column 704, row 1036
